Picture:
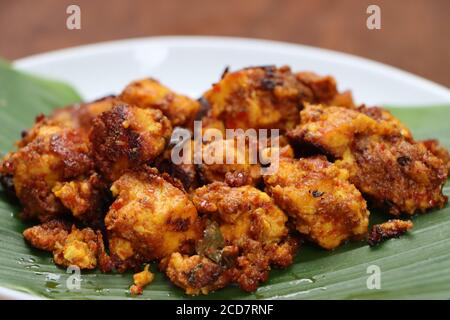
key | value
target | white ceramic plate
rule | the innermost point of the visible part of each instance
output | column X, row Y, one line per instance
column 191, row 64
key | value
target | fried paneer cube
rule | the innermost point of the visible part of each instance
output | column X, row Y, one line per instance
column 425, row 174
column 151, row 217
column 332, row 129
column 150, row 93
column 55, row 154
column 396, row 175
column 254, row 233
column 70, row 246
column 392, row 170
column 323, row 204
column 242, row 213
column 56, row 151
column 259, row 97
column 126, row 137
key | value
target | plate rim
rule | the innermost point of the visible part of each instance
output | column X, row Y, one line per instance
column 244, row 43
column 216, row 41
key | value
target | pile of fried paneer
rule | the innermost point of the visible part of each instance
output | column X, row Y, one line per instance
column 99, row 179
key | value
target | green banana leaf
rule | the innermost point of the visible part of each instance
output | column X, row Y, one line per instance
column 415, row 266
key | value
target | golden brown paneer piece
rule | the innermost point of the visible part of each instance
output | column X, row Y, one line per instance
column 242, row 213
column 151, row 217
column 259, row 97
column 388, row 230
column 126, row 137
column 396, row 175
column 55, row 151
column 246, row 234
column 150, row 93
column 55, row 154
column 324, row 205
column 70, row 246
column 332, row 129
column 87, row 198
column 385, row 164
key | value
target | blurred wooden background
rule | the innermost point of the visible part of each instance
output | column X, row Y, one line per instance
column 415, row 34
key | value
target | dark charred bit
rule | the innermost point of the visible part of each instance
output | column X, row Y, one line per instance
column 187, row 175
column 105, row 262
column 203, row 274
column 201, row 176
column 23, row 133
column 268, row 84
column 403, row 160
column 6, row 181
column 179, row 224
column 265, row 164
column 39, row 117
column 225, row 72
column 303, row 149
column 317, row 193
column 388, row 230
column 388, row 204
column 204, row 108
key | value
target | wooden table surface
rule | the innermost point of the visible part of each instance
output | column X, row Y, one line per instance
column 415, row 34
